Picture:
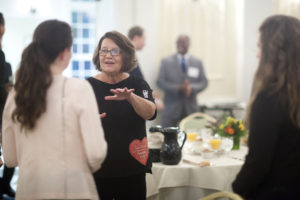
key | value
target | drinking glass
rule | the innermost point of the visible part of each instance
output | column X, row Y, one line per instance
column 227, row 144
column 191, row 135
column 215, row 142
column 206, row 135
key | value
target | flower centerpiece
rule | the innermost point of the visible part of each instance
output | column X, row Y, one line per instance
column 228, row 126
column 231, row 127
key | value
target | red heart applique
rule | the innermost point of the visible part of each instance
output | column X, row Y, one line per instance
column 139, row 150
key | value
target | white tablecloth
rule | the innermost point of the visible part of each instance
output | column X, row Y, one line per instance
column 196, row 179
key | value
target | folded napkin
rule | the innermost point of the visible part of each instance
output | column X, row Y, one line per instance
column 155, row 140
column 201, row 164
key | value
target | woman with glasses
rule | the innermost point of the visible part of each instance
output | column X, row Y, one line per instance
column 51, row 126
column 126, row 102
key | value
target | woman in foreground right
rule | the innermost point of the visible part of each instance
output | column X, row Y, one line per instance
column 272, row 166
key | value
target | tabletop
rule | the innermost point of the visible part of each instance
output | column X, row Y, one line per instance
column 189, row 172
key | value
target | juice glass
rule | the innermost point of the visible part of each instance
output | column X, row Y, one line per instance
column 191, row 136
column 215, row 142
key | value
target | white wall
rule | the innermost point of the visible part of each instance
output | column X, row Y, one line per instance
column 120, row 15
column 20, row 23
column 255, row 11
column 145, row 10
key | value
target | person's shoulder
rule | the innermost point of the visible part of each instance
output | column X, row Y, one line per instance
column 195, row 59
column 170, row 57
column 267, row 98
column 268, row 101
column 7, row 64
column 79, row 85
column 265, row 94
column 91, row 80
column 137, row 80
column 8, row 68
column 169, row 61
column 2, row 55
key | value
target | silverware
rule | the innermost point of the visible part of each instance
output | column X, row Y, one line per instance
column 236, row 158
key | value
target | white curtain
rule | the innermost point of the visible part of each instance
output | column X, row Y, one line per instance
column 287, row 7
column 213, row 28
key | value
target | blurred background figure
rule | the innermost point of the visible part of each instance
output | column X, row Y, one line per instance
column 137, row 36
column 6, row 84
column 126, row 102
column 271, row 169
column 181, row 77
column 51, row 128
column 3, row 92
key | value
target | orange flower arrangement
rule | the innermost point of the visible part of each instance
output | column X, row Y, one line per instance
column 228, row 126
column 231, row 127
column 229, row 130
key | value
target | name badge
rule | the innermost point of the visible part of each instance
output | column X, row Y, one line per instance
column 193, row 72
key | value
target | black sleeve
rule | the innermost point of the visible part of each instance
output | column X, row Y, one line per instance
column 143, row 90
column 265, row 121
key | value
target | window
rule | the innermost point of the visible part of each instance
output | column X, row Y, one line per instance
column 87, row 65
column 85, row 48
column 84, row 28
column 75, row 65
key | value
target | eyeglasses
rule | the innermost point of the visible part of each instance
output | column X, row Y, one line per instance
column 113, row 52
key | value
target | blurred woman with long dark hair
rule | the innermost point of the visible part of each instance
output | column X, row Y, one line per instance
column 271, row 169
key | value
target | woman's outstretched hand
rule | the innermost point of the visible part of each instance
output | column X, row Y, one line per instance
column 120, row 94
column 102, row 115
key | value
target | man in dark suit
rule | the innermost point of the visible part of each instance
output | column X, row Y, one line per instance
column 5, row 83
column 181, row 77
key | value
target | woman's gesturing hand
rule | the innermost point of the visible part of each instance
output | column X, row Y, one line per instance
column 102, row 115
column 120, row 94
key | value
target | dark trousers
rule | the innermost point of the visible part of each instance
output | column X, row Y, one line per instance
column 124, row 188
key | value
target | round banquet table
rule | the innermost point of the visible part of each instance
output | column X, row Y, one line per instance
column 189, row 181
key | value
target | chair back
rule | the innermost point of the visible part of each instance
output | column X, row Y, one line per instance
column 222, row 194
column 196, row 121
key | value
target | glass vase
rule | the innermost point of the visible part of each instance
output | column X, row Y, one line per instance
column 227, row 144
column 236, row 142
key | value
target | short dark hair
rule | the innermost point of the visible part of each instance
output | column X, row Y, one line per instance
column 135, row 31
column 126, row 47
column 2, row 21
column 186, row 38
